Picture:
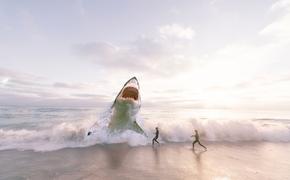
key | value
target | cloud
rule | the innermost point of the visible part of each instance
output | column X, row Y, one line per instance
column 27, row 85
column 4, row 81
column 91, row 96
column 249, row 74
column 12, row 79
column 101, row 49
column 20, row 100
column 13, row 74
column 176, row 31
column 68, row 86
column 162, row 54
column 280, row 28
column 18, row 88
column 281, row 4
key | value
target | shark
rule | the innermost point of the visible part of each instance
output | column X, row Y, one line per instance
column 125, row 108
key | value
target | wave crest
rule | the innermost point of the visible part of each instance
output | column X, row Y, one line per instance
column 74, row 134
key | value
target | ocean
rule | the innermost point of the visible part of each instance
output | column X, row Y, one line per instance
column 52, row 143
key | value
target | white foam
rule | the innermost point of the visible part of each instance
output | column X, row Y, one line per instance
column 74, row 134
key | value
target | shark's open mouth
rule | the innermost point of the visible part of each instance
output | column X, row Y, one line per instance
column 130, row 92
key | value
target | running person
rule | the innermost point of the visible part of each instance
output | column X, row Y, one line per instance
column 156, row 136
column 197, row 140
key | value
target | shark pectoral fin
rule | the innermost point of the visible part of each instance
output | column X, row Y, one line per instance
column 137, row 128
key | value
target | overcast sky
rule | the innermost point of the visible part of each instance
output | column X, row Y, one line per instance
column 185, row 53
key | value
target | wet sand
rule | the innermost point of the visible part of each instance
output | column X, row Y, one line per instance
column 222, row 161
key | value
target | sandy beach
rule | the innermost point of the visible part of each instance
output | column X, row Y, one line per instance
column 222, row 161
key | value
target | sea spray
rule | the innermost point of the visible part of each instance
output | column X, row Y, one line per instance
column 70, row 134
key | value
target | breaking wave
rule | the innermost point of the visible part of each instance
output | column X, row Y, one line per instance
column 74, row 134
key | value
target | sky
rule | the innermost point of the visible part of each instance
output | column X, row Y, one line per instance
column 187, row 53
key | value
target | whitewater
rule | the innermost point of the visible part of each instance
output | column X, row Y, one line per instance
column 53, row 128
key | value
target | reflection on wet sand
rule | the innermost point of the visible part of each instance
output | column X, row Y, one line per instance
column 169, row 161
column 198, row 161
column 156, row 155
column 115, row 155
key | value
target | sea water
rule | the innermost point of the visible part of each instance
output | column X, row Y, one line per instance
column 52, row 128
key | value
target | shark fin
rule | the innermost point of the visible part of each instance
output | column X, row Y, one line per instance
column 137, row 128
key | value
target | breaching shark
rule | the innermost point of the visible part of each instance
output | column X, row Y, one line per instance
column 125, row 108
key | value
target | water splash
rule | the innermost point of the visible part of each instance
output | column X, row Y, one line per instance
column 70, row 134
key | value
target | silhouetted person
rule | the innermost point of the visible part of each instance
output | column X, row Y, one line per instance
column 156, row 136
column 197, row 140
